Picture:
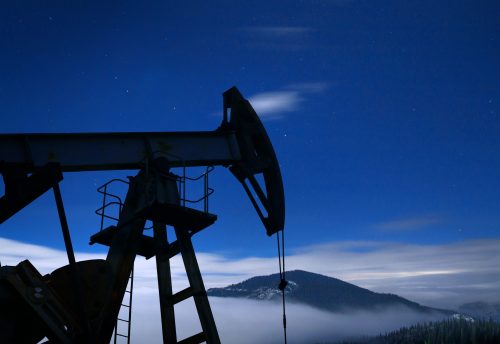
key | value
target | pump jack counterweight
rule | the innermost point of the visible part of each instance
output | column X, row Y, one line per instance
column 80, row 302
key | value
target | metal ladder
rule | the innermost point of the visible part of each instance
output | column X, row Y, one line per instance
column 196, row 290
column 128, row 306
column 117, row 201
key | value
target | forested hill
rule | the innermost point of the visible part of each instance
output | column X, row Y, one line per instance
column 451, row 331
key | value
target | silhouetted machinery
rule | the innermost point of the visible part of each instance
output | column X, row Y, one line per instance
column 80, row 302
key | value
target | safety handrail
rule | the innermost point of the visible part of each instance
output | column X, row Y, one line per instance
column 211, row 191
column 103, row 189
column 207, row 171
column 116, row 200
column 207, row 191
column 101, row 211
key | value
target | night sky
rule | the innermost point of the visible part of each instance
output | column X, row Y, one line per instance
column 385, row 115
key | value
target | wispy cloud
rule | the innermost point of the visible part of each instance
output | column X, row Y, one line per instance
column 410, row 223
column 274, row 104
column 444, row 275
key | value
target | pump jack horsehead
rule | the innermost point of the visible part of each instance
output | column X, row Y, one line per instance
column 80, row 302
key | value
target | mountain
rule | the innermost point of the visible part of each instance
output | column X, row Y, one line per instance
column 319, row 291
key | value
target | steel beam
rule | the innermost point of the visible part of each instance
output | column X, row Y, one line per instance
column 119, row 151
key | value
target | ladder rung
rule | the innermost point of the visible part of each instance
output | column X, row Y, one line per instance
column 122, row 320
column 128, row 291
column 182, row 295
column 121, row 335
column 126, row 306
column 196, row 339
column 173, row 249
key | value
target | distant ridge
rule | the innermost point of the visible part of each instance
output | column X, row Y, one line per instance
column 323, row 292
column 481, row 310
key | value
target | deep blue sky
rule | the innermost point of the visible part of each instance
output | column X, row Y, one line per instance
column 385, row 115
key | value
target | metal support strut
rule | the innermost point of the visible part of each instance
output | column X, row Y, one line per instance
column 75, row 277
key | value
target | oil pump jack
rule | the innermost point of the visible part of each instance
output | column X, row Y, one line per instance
column 80, row 302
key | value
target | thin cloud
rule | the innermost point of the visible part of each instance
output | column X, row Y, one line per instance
column 408, row 224
column 444, row 275
column 272, row 105
column 275, row 104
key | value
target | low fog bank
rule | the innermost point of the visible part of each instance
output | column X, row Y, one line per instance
column 249, row 321
column 442, row 276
